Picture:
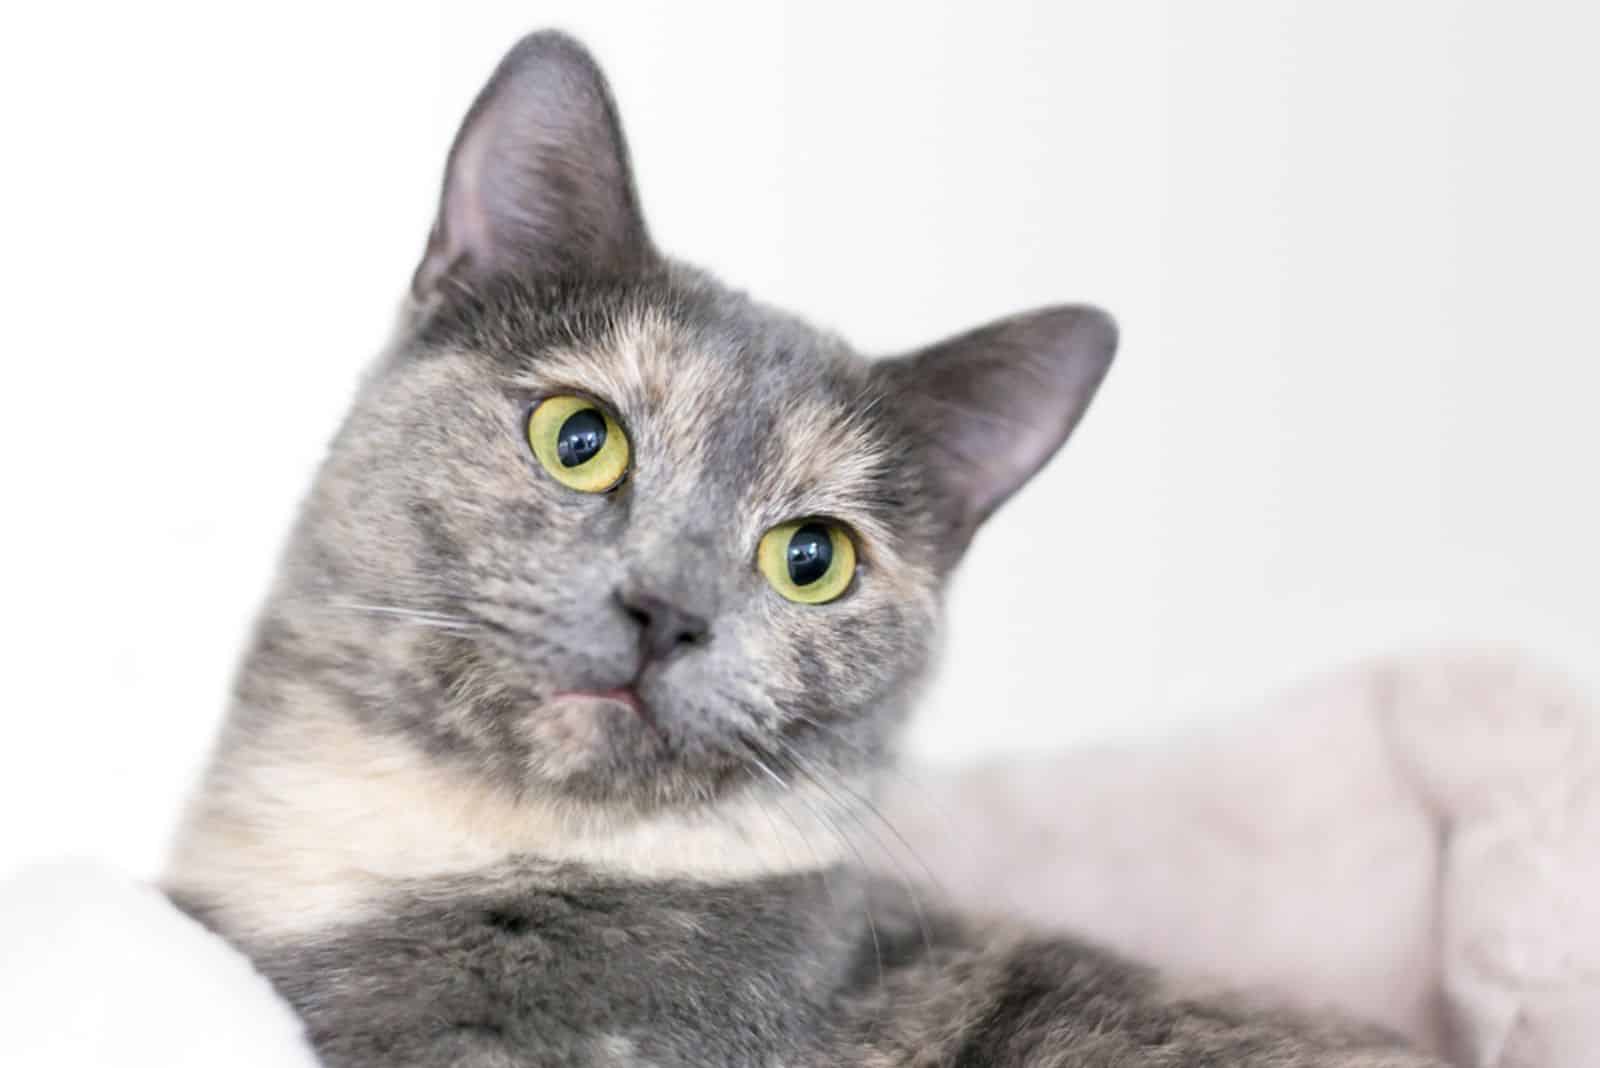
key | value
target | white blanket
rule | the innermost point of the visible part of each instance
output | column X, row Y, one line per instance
column 98, row 971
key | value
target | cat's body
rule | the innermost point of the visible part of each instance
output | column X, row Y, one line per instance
column 543, row 966
column 557, row 738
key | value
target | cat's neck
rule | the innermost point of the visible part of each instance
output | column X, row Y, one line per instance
column 308, row 820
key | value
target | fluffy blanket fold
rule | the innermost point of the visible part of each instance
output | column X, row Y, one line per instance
column 1415, row 840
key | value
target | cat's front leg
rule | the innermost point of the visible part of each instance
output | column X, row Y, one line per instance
column 1060, row 1003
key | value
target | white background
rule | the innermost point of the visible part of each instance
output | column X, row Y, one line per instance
column 1353, row 247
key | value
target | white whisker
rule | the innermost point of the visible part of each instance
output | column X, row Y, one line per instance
column 844, row 839
column 889, row 767
column 816, row 774
column 437, row 620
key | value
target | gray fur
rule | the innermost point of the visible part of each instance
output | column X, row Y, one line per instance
column 416, row 837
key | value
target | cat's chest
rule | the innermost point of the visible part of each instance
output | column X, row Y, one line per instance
column 579, row 972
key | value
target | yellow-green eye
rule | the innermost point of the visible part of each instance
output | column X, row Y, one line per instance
column 579, row 443
column 808, row 560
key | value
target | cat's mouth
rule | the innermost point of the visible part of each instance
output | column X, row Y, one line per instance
column 626, row 696
column 610, row 743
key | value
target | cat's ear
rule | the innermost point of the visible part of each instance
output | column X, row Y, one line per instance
column 538, row 183
column 988, row 408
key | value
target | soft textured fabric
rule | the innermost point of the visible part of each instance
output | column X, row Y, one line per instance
column 99, row 971
column 1415, row 840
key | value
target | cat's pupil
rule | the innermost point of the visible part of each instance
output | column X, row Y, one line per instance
column 810, row 554
column 580, row 437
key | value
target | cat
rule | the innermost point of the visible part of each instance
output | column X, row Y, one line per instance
column 556, row 739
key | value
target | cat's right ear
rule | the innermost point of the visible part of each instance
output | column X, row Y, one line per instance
column 538, row 183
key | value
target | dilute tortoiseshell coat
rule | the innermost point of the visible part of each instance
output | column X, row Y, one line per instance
column 439, row 859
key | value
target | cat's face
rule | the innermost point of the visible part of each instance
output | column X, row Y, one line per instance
column 601, row 529
column 626, row 639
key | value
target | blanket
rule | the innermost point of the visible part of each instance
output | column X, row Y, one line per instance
column 1414, row 840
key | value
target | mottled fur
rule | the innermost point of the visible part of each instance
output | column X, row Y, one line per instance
column 440, row 856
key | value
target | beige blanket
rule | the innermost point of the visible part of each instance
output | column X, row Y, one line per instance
column 1415, row 840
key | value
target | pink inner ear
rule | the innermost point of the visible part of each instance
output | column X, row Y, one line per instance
column 462, row 234
column 467, row 227
column 1006, row 444
column 538, row 182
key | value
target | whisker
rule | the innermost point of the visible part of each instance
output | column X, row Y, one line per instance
column 774, row 776
column 806, row 767
column 439, row 620
column 872, row 808
column 822, row 865
column 924, row 793
column 777, row 835
column 752, row 753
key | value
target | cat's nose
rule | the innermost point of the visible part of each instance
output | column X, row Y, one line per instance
column 666, row 628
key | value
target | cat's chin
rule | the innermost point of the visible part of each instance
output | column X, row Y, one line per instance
column 593, row 734
column 607, row 747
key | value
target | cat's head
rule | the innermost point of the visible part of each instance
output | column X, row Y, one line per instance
column 603, row 530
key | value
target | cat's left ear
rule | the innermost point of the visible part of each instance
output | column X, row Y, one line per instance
column 986, row 409
column 538, row 184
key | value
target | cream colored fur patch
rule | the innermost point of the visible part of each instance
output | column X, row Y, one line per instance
column 312, row 823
